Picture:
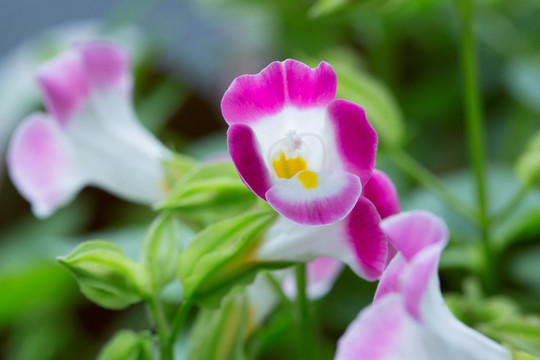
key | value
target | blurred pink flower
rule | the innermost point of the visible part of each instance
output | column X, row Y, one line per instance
column 90, row 136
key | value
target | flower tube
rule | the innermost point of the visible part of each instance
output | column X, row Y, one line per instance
column 297, row 147
column 409, row 319
column 90, row 135
column 357, row 240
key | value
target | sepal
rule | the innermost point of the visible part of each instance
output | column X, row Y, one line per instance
column 176, row 166
column 105, row 275
column 161, row 249
column 207, row 340
column 224, row 255
column 128, row 345
column 208, row 193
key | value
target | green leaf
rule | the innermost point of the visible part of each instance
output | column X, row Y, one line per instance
column 520, row 332
column 222, row 256
column 161, row 250
column 128, row 345
column 176, row 167
column 105, row 275
column 32, row 287
column 207, row 338
column 528, row 164
column 157, row 107
column 209, row 193
column 358, row 86
column 520, row 355
column 323, row 7
column 326, row 7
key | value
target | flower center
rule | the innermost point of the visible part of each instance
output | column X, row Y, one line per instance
column 295, row 153
column 309, row 179
column 287, row 168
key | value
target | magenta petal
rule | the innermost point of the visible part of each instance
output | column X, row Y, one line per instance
column 416, row 278
column 247, row 159
column 106, row 65
column 413, row 231
column 64, row 84
column 367, row 239
column 382, row 193
column 377, row 333
column 390, row 280
column 308, row 87
column 252, row 97
column 41, row 165
column 355, row 138
column 332, row 200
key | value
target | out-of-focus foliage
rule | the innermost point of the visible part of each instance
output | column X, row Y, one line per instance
column 128, row 345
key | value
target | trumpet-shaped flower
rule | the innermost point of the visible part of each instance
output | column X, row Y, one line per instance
column 90, row 135
column 357, row 240
column 297, row 147
column 408, row 319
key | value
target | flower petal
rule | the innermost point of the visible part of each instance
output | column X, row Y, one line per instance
column 367, row 239
column 252, row 97
column 247, row 159
column 106, row 65
column 356, row 241
column 409, row 313
column 315, row 198
column 390, row 281
column 382, row 331
column 385, row 331
column 382, row 193
column 69, row 80
column 416, row 278
column 88, row 89
column 42, row 166
column 355, row 138
column 64, row 85
column 413, row 231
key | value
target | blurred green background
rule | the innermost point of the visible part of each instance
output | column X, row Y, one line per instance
column 397, row 58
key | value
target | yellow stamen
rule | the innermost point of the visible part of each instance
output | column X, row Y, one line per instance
column 309, row 179
column 287, row 168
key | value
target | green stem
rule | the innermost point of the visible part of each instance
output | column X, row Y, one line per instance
column 179, row 320
column 423, row 176
column 162, row 328
column 475, row 132
column 303, row 310
column 511, row 205
column 279, row 291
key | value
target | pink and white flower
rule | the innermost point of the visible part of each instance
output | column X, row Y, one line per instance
column 90, row 135
column 408, row 319
column 357, row 240
column 297, row 147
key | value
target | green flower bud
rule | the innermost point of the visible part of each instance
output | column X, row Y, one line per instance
column 105, row 275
